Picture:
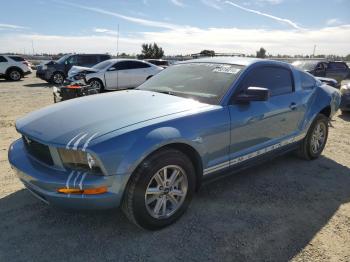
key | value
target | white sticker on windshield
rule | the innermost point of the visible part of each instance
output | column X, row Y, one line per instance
column 226, row 69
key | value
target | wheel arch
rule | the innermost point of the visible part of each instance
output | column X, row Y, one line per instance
column 98, row 79
column 14, row 67
column 191, row 153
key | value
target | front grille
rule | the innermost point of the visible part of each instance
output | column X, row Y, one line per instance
column 39, row 151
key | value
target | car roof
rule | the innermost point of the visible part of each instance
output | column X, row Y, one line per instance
column 242, row 61
column 115, row 60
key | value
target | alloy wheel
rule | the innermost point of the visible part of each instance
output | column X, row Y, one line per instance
column 15, row 75
column 318, row 137
column 166, row 191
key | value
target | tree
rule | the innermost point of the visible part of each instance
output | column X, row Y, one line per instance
column 347, row 58
column 151, row 51
column 207, row 53
column 261, row 53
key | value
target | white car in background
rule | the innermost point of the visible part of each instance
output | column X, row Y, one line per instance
column 114, row 74
column 14, row 67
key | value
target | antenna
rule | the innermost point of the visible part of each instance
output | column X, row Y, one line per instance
column 33, row 46
column 118, row 42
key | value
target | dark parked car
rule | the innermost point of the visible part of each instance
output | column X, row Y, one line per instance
column 336, row 70
column 56, row 71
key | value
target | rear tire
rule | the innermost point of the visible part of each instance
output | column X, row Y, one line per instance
column 154, row 198
column 316, row 138
column 14, row 74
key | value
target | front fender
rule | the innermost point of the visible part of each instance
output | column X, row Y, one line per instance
column 122, row 154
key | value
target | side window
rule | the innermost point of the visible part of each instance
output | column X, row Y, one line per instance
column 126, row 65
column 17, row 58
column 335, row 65
column 307, row 81
column 137, row 65
column 123, row 65
column 87, row 60
column 3, row 59
column 320, row 66
column 277, row 79
column 72, row 60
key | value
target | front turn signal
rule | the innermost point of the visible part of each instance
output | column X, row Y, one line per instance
column 89, row 191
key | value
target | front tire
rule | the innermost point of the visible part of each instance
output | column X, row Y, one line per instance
column 57, row 78
column 97, row 85
column 160, row 190
column 316, row 138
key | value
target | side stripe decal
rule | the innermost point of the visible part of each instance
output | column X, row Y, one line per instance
column 262, row 151
column 69, row 178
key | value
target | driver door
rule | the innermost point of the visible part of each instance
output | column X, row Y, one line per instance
column 256, row 125
column 111, row 76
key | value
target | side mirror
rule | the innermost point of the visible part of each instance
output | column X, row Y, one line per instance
column 253, row 94
column 112, row 69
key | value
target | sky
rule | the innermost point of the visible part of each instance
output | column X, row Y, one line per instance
column 178, row 26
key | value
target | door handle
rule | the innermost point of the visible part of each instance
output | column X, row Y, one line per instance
column 293, row 106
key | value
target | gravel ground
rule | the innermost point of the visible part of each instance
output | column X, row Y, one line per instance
column 287, row 209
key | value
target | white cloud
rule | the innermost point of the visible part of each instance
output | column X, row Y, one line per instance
column 333, row 21
column 177, row 3
column 279, row 19
column 212, row 3
column 192, row 40
column 12, row 27
column 271, row 2
column 136, row 20
column 105, row 31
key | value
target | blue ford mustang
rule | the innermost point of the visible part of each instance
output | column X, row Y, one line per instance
column 149, row 149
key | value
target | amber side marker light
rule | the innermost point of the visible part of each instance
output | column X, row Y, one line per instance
column 90, row 191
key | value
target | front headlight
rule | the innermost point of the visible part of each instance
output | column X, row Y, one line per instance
column 78, row 160
column 345, row 89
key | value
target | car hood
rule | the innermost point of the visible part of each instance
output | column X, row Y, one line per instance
column 89, row 117
column 80, row 69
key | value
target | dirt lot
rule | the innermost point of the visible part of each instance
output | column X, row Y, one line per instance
column 287, row 209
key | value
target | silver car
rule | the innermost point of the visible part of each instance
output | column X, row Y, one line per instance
column 115, row 74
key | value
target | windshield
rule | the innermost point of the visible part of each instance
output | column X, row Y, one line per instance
column 62, row 59
column 102, row 65
column 205, row 82
column 305, row 65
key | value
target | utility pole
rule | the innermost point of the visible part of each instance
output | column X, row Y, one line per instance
column 33, row 47
column 118, row 42
column 313, row 54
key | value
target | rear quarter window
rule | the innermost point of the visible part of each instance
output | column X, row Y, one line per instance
column 3, row 59
column 337, row 66
column 307, row 81
column 17, row 58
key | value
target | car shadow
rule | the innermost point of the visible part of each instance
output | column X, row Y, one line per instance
column 48, row 85
column 345, row 116
column 268, row 213
column 3, row 80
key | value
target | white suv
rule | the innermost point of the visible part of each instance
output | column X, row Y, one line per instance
column 14, row 67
